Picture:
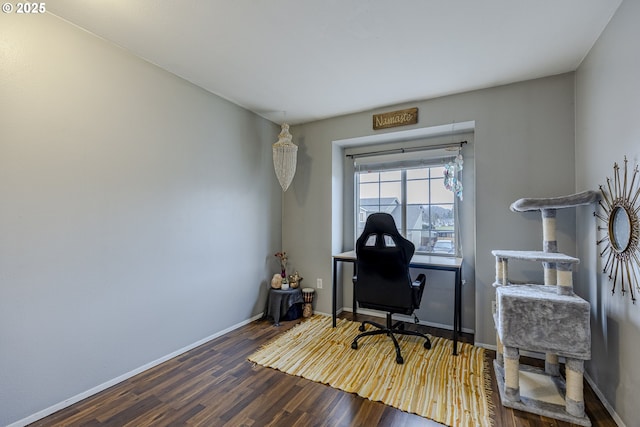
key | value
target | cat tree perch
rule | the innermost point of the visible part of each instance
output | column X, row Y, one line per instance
column 547, row 318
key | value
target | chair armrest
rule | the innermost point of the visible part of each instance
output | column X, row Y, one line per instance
column 417, row 288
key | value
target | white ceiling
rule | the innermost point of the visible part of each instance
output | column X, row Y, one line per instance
column 305, row 60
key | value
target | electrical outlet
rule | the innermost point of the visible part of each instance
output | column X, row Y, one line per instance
column 319, row 283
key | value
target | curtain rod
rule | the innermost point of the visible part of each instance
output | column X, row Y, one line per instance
column 408, row 150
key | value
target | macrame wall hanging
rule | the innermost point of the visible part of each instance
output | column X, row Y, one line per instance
column 285, row 155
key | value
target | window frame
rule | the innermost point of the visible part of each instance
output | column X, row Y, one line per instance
column 404, row 205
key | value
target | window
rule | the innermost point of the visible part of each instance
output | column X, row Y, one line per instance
column 424, row 210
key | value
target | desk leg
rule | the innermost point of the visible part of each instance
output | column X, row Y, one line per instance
column 457, row 311
column 355, row 303
column 460, row 303
column 334, row 291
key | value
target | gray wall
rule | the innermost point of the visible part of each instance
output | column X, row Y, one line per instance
column 523, row 147
column 607, row 129
column 139, row 213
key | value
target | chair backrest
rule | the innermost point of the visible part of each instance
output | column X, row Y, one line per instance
column 383, row 257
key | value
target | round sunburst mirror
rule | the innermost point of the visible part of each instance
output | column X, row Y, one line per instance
column 620, row 229
column 619, row 202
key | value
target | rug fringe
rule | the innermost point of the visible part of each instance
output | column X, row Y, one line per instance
column 288, row 331
column 491, row 408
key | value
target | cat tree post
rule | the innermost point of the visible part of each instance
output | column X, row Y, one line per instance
column 574, row 369
column 512, row 373
column 550, row 244
column 502, row 268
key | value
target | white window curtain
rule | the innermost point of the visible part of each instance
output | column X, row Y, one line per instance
column 402, row 160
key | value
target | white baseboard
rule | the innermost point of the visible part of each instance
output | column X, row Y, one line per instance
column 403, row 318
column 97, row 389
column 605, row 403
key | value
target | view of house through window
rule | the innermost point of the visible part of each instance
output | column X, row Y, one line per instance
column 418, row 201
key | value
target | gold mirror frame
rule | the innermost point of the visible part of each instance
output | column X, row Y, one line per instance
column 621, row 242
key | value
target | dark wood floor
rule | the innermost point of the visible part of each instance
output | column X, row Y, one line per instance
column 215, row 385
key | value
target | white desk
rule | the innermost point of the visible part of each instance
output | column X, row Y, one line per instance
column 426, row 262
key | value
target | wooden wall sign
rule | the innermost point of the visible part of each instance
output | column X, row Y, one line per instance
column 395, row 118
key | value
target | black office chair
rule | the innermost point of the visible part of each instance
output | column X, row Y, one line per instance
column 382, row 280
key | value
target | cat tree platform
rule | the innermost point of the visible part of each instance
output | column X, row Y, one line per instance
column 545, row 319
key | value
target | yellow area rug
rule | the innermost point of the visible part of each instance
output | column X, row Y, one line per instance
column 452, row 390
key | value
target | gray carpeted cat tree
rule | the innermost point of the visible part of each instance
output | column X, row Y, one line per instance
column 548, row 319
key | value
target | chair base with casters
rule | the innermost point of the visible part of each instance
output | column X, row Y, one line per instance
column 391, row 329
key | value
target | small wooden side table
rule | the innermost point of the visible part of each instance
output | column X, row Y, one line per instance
column 279, row 302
